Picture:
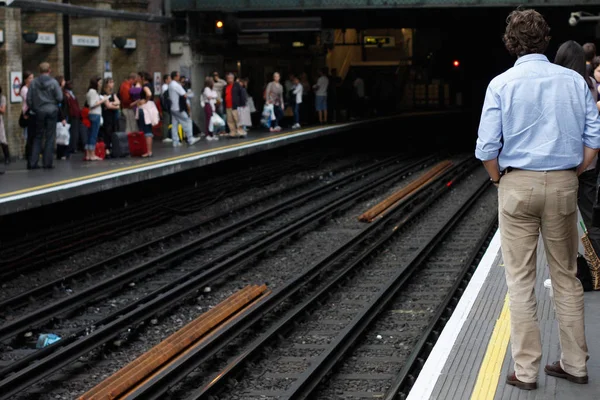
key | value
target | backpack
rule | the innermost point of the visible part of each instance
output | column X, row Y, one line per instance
column 165, row 101
column 244, row 97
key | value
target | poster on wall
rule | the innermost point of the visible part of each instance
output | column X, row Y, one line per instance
column 107, row 75
column 16, row 79
column 157, row 83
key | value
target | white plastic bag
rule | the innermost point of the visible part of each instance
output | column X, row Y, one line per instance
column 251, row 105
column 215, row 122
column 62, row 134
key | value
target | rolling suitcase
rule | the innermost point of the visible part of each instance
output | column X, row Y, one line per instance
column 120, row 144
column 137, row 144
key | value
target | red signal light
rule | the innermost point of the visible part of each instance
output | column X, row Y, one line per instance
column 456, row 63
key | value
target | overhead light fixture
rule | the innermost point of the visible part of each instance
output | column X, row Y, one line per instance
column 120, row 42
column 577, row 17
column 30, row 37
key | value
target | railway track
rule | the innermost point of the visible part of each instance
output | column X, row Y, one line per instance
column 189, row 279
column 71, row 283
column 26, row 254
column 327, row 274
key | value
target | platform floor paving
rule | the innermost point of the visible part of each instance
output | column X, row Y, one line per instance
column 480, row 358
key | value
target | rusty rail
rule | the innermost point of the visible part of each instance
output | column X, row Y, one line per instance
column 392, row 200
column 140, row 369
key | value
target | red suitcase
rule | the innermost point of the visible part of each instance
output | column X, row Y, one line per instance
column 137, row 144
column 100, row 150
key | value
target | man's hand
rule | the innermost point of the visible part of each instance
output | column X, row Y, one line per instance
column 493, row 170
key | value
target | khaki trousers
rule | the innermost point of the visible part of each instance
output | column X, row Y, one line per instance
column 233, row 121
column 530, row 202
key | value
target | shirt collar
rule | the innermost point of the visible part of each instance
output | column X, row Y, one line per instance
column 531, row 57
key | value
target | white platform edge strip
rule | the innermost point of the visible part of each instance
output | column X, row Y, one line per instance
column 167, row 163
column 197, row 157
column 429, row 375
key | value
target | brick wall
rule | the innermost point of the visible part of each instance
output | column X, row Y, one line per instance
column 34, row 54
column 88, row 62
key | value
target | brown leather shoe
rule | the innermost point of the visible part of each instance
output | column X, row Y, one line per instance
column 514, row 381
column 556, row 370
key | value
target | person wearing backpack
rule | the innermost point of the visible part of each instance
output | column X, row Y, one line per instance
column 165, row 105
column 179, row 112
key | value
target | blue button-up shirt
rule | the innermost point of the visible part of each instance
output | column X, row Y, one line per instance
column 543, row 113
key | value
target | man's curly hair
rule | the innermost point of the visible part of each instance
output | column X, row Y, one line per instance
column 526, row 33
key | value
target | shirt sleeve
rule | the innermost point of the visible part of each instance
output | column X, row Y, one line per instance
column 489, row 141
column 591, row 131
column 92, row 98
column 179, row 90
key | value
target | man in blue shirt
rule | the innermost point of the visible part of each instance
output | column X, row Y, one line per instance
column 539, row 128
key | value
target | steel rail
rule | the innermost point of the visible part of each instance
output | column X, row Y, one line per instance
column 24, row 298
column 160, row 384
column 23, row 362
column 180, row 196
column 116, row 282
column 409, row 373
column 65, row 351
column 306, row 384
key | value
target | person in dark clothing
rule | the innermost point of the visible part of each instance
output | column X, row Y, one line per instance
column 62, row 151
column 43, row 99
column 332, row 94
column 71, row 109
column 589, row 50
column 110, row 113
column 571, row 55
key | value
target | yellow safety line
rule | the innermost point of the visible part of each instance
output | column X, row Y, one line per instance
column 112, row 171
column 489, row 372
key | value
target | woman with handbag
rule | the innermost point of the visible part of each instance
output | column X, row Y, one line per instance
column 244, row 110
column 274, row 96
column 209, row 101
column 147, row 116
column 94, row 101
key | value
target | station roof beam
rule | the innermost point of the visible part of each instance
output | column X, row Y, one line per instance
column 273, row 5
column 86, row 12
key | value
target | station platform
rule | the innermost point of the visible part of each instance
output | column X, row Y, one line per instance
column 22, row 189
column 472, row 358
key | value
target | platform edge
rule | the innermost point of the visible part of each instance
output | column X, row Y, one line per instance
column 429, row 375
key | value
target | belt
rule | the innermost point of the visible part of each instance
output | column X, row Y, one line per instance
column 511, row 169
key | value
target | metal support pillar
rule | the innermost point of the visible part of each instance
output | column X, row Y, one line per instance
column 66, row 20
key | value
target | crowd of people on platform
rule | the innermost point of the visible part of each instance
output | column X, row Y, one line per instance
column 55, row 121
